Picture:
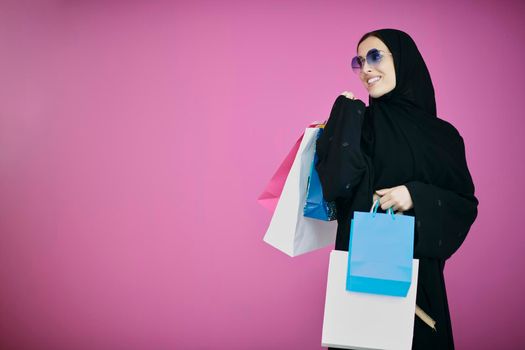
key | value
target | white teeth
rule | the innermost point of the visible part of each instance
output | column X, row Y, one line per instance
column 373, row 80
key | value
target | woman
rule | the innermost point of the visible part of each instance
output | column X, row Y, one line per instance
column 401, row 153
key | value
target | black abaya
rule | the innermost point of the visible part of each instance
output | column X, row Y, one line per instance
column 399, row 140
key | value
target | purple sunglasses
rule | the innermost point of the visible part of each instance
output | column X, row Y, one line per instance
column 373, row 57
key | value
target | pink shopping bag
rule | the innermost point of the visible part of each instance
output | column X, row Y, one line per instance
column 270, row 196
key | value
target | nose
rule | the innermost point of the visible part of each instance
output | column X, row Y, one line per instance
column 365, row 69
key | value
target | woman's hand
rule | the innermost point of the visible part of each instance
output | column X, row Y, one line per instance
column 398, row 198
column 348, row 94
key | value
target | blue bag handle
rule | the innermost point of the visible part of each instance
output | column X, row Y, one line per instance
column 373, row 210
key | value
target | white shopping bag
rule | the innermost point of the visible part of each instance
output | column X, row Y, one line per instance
column 289, row 230
column 354, row 320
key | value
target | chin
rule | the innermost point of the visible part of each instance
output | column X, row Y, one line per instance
column 375, row 94
column 380, row 92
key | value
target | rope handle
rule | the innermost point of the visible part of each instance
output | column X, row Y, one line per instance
column 375, row 205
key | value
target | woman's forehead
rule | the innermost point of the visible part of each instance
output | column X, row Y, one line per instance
column 370, row 43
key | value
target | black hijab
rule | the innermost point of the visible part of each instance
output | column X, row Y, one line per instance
column 404, row 137
column 397, row 140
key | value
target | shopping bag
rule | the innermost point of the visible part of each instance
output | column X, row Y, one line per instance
column 289, row 230
column 316, row 206
column 271, row 193
column 381, row 249
column 355, row 320
column 269, row 197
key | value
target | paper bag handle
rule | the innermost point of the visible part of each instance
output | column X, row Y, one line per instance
column 376, row 205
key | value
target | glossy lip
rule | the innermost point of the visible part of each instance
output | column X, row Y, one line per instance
column 374, row 83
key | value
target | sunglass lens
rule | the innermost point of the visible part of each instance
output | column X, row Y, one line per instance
column 356, row 64
column 374, row 56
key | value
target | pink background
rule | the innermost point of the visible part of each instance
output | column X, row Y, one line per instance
column 135, row 137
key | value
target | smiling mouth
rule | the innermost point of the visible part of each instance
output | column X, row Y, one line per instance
column 374, row 82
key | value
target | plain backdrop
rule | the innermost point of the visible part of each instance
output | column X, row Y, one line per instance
column 135, row 137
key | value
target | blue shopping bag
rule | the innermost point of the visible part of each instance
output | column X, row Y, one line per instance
column 380, row 253
column 315, row 206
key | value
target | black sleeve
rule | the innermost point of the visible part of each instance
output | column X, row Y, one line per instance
column 443, row 219
column 443, row 216
column 340, row 163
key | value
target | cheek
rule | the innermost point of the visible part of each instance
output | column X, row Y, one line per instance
column 390, row 77
column 392, row 74
column 390, row 84
column 388, row 69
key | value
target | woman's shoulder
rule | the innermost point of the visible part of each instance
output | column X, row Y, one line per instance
column 450, row 128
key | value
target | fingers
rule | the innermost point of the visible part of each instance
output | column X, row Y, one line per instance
column 391, row 203
column 348, row 94
column 393, row 198
column 383, row 191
